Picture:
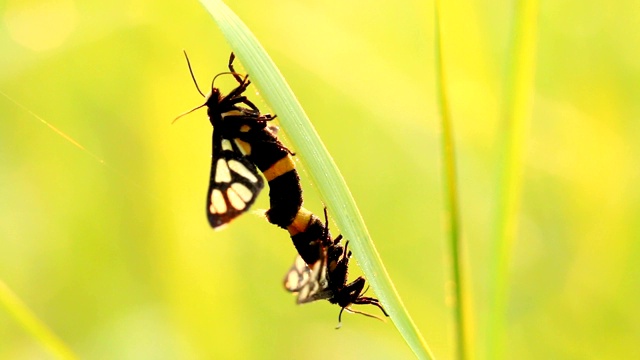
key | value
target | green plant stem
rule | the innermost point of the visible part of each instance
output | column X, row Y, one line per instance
column 30, row 322
column 319, row 164
column 515, row 114
column 452, row 214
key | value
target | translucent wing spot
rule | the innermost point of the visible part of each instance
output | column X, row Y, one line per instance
column 298, row 276
column 304, row 293
column 304, row 277
column 235, row 199
column 245, row 147
column 300, row 265
column 242, row 170
column 226, row 145
column 218, row 205
column 244, row 192
column 322, row 279
column 222, row 172
column 292, row 281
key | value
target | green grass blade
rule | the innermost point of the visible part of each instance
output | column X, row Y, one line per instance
column 515, row 113
column 451, row 195
column 320, row 166
column 30, row 322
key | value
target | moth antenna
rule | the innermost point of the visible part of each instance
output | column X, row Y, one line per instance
column 192, row 76
column 363, row 313
column 350, row 310
column 188, row 112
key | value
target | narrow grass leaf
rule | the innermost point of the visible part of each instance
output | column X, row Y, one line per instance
column 515, row 113
column 34, row 326
column 452, row 216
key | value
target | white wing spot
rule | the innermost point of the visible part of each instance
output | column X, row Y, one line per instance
column 235, row 200
column 218, row 205
column 244, row 192
column 242, row 170
column 222, row 172
column 226, row 145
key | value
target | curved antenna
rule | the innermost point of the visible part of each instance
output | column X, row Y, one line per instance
column 192, row 77
column 353, row 311
column 188, row 112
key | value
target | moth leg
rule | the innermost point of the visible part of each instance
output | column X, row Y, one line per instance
column 233, row 71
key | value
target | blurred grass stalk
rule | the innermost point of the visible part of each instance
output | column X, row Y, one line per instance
column 451, row 209
column 30, row 322
column 323, row 171
column 515, row 115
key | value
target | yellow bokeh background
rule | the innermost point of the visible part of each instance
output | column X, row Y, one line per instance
column 109, row 245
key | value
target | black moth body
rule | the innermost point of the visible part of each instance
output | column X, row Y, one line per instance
column 243, row 142
column 276, row 163
column 310, row 237
column 326, row 279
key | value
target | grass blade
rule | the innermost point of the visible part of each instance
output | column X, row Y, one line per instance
column 515, row 113
column 321, row 167
column 30, row 322
column 451, row 195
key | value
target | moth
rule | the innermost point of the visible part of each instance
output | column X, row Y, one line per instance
column 242, row 143
column 326, row 279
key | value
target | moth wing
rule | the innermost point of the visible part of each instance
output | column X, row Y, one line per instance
column 298, row 275
column 234, row 184
column 310, row 283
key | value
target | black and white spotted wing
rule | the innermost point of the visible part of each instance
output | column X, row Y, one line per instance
column 234, row 184
column 310, row 283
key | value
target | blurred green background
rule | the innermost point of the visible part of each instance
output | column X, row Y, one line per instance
column 110, row 245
